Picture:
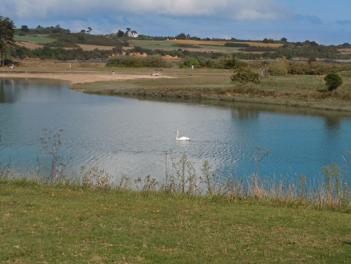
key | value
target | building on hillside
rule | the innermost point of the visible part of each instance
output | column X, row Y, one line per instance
column 132, row 34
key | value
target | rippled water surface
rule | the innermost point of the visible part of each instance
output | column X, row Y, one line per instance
column 131, row 137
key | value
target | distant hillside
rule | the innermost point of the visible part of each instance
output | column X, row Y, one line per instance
column 58, row 43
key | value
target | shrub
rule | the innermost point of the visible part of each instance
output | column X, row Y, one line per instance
column 71, row 54
column 315, row 68
column 279, row 68
column 258, row 49
column 333, row 81
column 184, row 45
column 305, row 50
column 236, row 45
column 154, row 61
column 245, row 75
column 232, row 62
column 190, row 62
column 91, row 39
column 300, row 68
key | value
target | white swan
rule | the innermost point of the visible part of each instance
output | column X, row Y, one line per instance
column 181, row 138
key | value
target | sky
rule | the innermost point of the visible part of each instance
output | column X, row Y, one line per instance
column 324, row 21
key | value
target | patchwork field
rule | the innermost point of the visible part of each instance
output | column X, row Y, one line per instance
column 198, row 45
column 34, row 41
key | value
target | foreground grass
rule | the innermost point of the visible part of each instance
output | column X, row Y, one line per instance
column 43, row 224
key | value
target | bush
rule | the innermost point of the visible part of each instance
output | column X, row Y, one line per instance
column 71, row 54
column 316, row 68
column 232, row 62
column 236, row 45
column 333, row 81
column 154, row 61
column 245, row 75
column 279, row 68
column 82, row 38
column 190, row 62
column 305, row 50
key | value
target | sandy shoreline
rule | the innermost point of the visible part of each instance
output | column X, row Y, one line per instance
column 81, row 78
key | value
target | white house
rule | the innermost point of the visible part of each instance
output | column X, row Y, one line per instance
column 132, row 34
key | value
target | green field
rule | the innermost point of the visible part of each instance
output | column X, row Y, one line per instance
column 170, row 45
column 43, row 224
column 36, row 39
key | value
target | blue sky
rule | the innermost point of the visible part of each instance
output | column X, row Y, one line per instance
column 322, row 20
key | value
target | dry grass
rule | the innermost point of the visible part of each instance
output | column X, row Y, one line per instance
column 345, row 51
column 87, row 47
column 222, row 43
column 261, row 44
column 198, row 42
column 81, row 78
column 75, row 72
column 54, row 66
column 29, row 45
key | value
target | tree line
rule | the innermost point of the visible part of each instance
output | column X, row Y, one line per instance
column 7, row 32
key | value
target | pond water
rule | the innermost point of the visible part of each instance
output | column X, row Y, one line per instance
column 131, row 137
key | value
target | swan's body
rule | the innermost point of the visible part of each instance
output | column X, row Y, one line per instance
column 178, row 138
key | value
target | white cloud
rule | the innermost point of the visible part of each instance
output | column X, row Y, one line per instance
column 236, row 9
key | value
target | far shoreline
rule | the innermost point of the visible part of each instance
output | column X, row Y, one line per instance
column 128, row 84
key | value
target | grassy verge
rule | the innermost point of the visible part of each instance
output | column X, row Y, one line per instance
column 215, row 85
column 61, row 224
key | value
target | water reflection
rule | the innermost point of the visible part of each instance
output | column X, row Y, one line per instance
column 250, row 112
column 12, row 91
column 333, row 122
column 245, row 113
column 8, row 93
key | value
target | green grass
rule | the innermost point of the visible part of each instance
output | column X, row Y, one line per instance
column 36, row 39
column 43, row 224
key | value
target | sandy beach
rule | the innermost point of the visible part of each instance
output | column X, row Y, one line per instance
column 81, row 78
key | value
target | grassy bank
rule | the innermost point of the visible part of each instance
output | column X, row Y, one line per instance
column 60, row 224
column 215, row 85
column 211, row 85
